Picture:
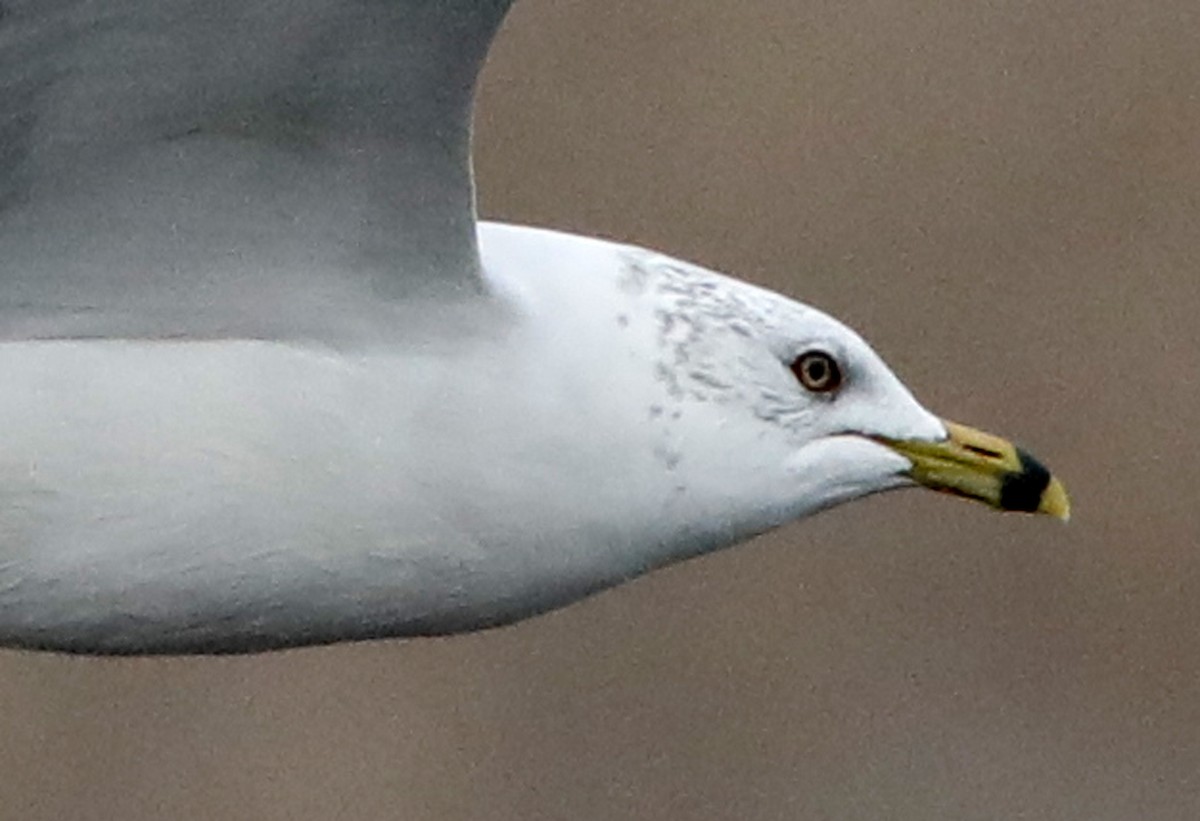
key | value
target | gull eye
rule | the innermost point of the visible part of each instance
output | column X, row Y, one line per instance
column 817, row 371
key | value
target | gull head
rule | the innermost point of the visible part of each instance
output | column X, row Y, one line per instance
column 767, row 406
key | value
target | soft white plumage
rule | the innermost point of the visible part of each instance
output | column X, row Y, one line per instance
column 259, row 389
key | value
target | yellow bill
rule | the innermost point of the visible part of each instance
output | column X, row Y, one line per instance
column 981, row 466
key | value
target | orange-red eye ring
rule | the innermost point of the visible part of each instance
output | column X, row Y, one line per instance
column 817, row 371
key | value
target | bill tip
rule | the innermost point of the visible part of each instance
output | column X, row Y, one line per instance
column 1055, row 501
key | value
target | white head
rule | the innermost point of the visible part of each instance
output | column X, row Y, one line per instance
column 798, row 410
column 729, row 409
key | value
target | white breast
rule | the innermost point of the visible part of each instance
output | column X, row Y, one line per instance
column 223, row 494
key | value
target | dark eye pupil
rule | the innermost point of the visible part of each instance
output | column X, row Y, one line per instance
column 817, row 371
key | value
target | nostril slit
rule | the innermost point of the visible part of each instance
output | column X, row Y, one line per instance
column 991, row 454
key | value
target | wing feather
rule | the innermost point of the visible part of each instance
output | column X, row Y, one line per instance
column 253, row 167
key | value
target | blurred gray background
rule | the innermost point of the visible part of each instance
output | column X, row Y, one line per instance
column 1003, row 197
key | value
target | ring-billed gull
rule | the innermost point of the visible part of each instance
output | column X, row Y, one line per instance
column 268, row 383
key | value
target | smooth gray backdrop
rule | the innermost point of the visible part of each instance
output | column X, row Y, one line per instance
column 1004, row 198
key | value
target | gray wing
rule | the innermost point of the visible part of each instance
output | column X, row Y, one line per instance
column 234, row 167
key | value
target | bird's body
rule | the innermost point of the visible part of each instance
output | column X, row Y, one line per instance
column 266, row 383
column 174, row 495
